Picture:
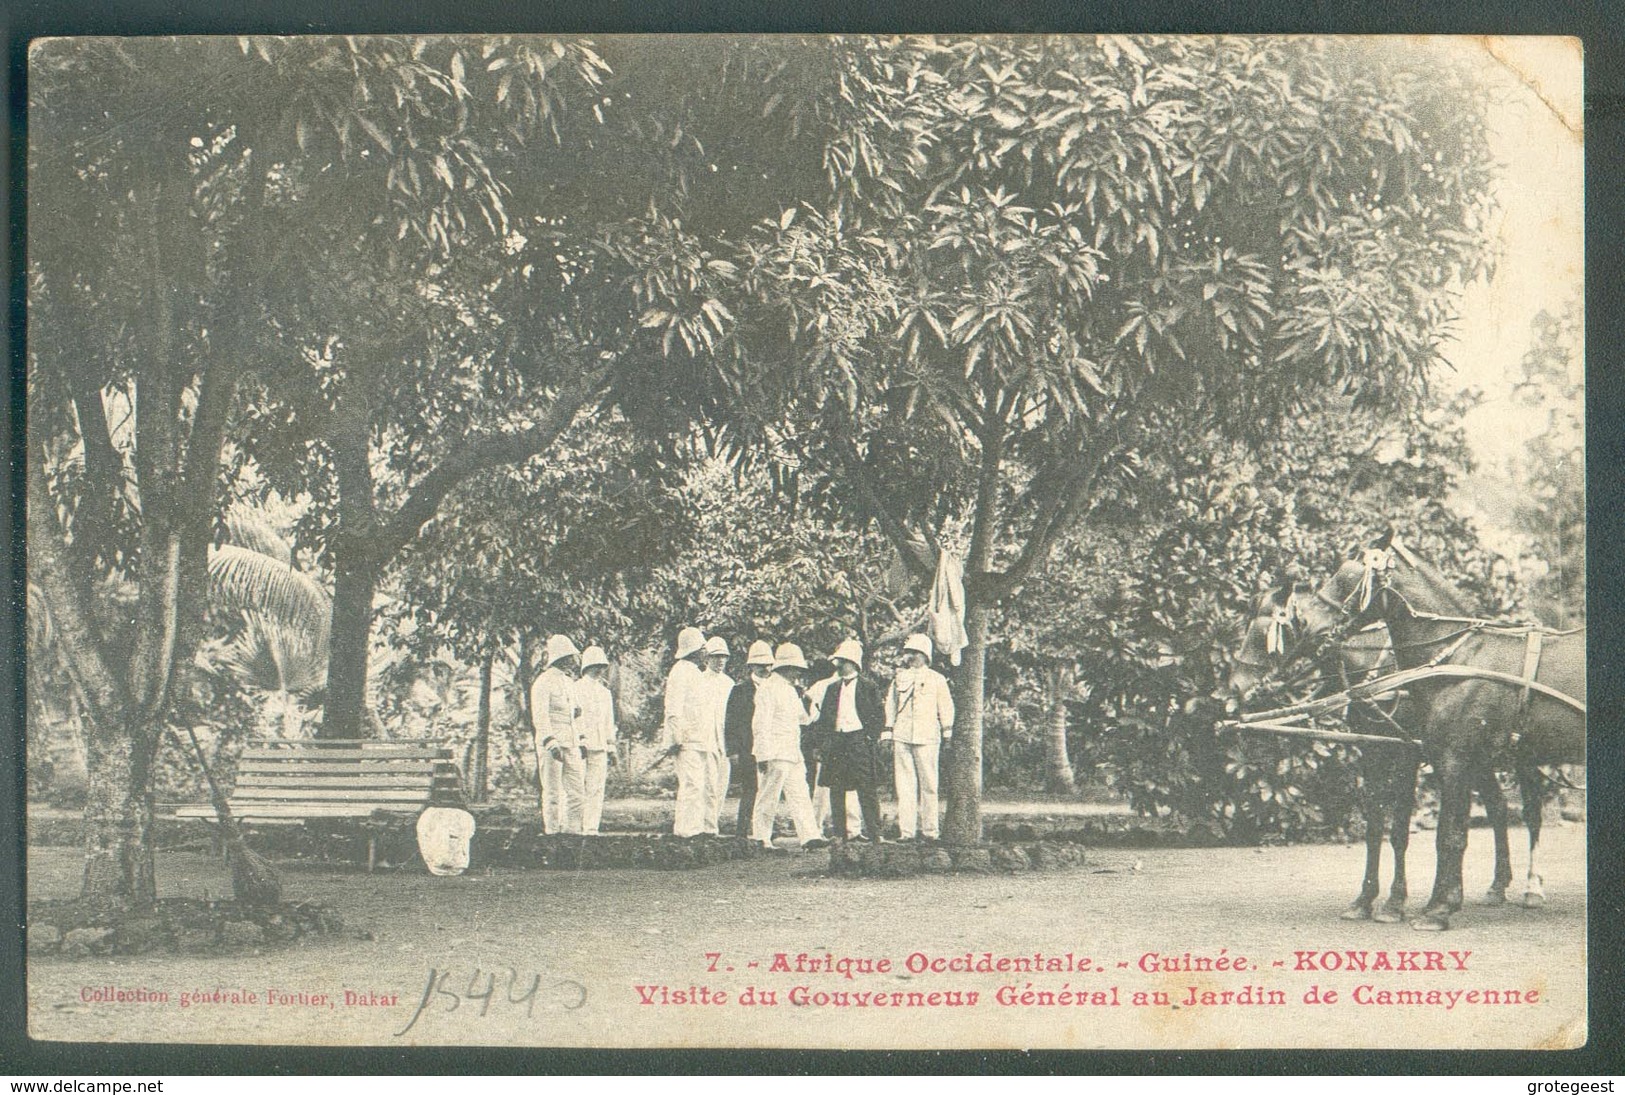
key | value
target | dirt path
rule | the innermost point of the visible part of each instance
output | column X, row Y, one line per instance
column 587, row 940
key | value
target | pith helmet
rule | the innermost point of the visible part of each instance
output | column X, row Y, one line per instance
column 560, row 647
column 716, row 644
column 760, row 654
column 919, row 643
column 689, row 640
column 593, row 656
column 850, row 651
column 789, row 656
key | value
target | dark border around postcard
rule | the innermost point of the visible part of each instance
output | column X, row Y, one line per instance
column 1603, row 39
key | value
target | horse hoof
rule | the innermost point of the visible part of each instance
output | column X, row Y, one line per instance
column 1355, row 912
column 1390, row 916
column 1431, row 922
column 1534, row 900
column 1495, row 897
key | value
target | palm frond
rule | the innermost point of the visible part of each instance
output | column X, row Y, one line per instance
column 251, row 581
column 252, row 529
column 275, row 656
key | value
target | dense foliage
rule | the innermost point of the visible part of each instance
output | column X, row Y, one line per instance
column 1154, row 644
column 1036, row 258
column 533, row 334
column 1552, row 507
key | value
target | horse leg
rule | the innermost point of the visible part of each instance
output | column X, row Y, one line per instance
column 1371, row 884
column 1455, row 796
column 1532, row 785
column 1402, row 803
column 1495, row 807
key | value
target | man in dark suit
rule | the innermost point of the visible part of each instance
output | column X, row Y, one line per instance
column 849, row 722
column 736, row 731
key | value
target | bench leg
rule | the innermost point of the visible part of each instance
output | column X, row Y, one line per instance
column 372, row 852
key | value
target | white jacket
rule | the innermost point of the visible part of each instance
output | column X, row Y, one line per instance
column 596, row 724
column 919, row 706
column 718, row 686
column 775, row 728
column 553, row 709
column 686, row 707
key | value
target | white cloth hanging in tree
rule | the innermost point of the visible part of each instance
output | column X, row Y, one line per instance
column 946, row 610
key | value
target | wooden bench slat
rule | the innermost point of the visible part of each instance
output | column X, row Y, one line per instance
column 345, row 743
column 243, row 811
column 293, row 813
column 359, row 780
column 252, row 794
column 293, row 782
column 194, row 811
column 248, row 811
column 381, row 753
column 338, row 767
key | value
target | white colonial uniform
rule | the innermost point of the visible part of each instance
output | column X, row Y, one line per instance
column 781, row 770
column 718, row 687
column 687, row 727
column 919, row 713
column 553, row 712
column 597, row 732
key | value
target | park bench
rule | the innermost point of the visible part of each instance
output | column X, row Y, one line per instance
column 293, row 782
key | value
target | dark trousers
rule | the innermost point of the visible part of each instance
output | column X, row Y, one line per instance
column 745, row 766
column 868, row 803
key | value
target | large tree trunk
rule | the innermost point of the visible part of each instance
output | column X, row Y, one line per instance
column 355, row 569
column 522, row 681
column 1059, row 777
column 354, row 584
column 367, row 541
column 118, row 746
column 479, row 777
column 963, row 823
column 118, row 814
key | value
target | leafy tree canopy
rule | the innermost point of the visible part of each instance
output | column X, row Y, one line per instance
column 1044, row 249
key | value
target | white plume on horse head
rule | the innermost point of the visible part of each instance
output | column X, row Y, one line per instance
column 1375, row 561
column 1280, row 618
column 1292, row 604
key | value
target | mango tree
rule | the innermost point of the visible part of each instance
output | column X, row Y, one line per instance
column 1034, row 257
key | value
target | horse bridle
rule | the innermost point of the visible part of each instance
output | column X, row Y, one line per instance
column 1381, row 562
column 1375, row 564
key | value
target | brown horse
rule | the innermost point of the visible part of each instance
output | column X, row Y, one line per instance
column 1528, row 707
column 1388, row 773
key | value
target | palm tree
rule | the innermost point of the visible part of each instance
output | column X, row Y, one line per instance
column 1058, row 683
column 280, row 653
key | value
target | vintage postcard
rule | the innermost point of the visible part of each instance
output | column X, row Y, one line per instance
column 1053, row 542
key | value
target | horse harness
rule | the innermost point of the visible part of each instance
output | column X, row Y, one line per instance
column 1378, row 560
column 1439, row 665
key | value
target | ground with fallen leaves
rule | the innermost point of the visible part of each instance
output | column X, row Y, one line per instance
column 517, row 957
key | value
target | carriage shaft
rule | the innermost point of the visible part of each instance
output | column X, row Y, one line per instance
column 1274, row 727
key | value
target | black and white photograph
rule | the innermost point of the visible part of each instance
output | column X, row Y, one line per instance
column 768, row 541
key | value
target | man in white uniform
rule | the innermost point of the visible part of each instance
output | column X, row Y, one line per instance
column 919, row 718
column 597, row 730
column 718, row 685
column 781, row 772
column 553, row 713
column 687, row 732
